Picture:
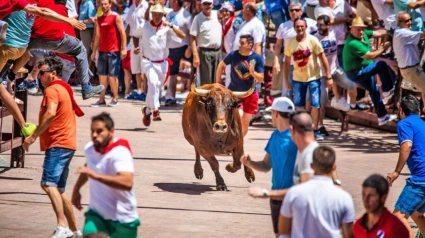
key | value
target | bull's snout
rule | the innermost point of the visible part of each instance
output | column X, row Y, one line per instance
column 220, row 127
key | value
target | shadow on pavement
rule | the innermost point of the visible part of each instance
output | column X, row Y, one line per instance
column 13, row 178
column 186, row 188
column 134, row 129
column 24, row 193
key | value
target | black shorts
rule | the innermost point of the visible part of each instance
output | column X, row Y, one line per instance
column 275, row 210
column 176, row 55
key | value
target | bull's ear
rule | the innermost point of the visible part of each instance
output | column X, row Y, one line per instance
column 237, row 104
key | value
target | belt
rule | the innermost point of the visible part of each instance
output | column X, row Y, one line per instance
column 170, row 62
column 411, row 66
column 311, row 5
column 209, row 49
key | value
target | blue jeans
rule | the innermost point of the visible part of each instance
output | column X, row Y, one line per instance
column 412, row 198
column 365, row 78
column 71, row 46
column 278, row 17
column 300, row 92
column 56, row 167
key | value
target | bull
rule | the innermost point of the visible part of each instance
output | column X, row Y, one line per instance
column 212, row 124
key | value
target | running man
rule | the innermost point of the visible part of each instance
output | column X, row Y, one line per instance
column 109, row 169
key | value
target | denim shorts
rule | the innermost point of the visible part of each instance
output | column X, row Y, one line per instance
column 300, row 92
column 56, row 167
column 108, row 64
column 412, row 198
column 176, row 55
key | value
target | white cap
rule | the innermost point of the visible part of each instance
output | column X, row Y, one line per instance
column 228, row 6
column 208, row 1
column 282, row 104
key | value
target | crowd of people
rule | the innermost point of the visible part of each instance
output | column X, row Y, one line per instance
column 321, row 47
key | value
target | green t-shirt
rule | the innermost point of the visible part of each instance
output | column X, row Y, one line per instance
column 353, row 51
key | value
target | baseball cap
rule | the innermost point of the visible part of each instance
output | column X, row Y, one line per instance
column 282, row 104
column 207, row 1
column 228, row 6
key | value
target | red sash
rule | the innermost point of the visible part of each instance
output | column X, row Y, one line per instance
column 119, row 142
column 170, row 62
column 68, row 88
column 226, row 29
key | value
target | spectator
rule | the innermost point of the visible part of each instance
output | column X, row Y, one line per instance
column 109, row 169
column 411, row 137
column 340, row 13
column 206, row 43
column 377, row 221
column 412, row 8
column 285, row 32
column 309, row 211
column 328, row 39
column 111, row 41
column 154, row 36
column 306, row 51
column 87, row 15
column 385, row 11
column 360, row 67
column 135, row 18
column 228, row 34
column 277, row 10
column 406, row 50
column 179, row 49
column 310, row 7
column 58, row 138
column 247, row 69
column 281, row 153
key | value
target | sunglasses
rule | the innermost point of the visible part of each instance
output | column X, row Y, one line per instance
column 321, row 25
column 206, row 4
column 42, row 72
column 295, row 10
column 407, row 20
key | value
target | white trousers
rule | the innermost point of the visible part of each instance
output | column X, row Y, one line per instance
column 155, row 74
column 228, row 73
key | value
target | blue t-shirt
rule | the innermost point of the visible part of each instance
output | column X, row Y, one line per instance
column 412, row 129
column 87, row 10
column 283, row 152
column 241, row 79
column 19, row 30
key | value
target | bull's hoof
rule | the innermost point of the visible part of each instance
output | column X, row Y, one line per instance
column 199, row 173
column 221, row 187
column 249, row 175
column 230, row 168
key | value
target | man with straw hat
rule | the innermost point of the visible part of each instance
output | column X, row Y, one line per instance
column 360, row 68
column 154, row 36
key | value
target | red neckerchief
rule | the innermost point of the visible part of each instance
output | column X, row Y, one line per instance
column 157, row 26
column 68, row 88
column 226, row 29
column 119, row 142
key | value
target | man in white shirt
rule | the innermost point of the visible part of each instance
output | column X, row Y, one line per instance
column 179, row 48
column 285, row 32
column 385, row 11
column 228, row 12
column 109, row 169
column 405, row 45
column 340, row 13
column 155, row 35
column 317, row 208
column 135, row 18
column 205, row 42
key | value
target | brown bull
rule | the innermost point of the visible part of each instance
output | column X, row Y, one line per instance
column 211, row 123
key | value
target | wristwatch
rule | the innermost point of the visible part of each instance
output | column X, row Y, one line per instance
column 171, row 26
column 265, row 192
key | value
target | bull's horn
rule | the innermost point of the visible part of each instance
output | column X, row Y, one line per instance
column 246, row 93
column 198, row 91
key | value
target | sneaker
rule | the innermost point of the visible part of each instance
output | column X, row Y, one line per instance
column 388, row 95
column 62, row 232
column 387, row 118
column 170, row 102
column 323, row 131
column 98, row 104
column 78, row 234
column 32, row 87
column 140, row 97
column 317, row 135
column 93, row 91
column 418, row 234
column 113, row 103
column 360, row 107
column 341, row 104
column 146, row 118
column 128, row 96
column 156, row 116
column 29, row 129
column 3, row 29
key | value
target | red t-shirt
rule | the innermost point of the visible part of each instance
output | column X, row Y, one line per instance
column 110, row 39
column 9, row 6
column 46, row 29
column 388, row 226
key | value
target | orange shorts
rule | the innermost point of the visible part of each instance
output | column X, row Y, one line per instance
column 126, row 63
column 250, row 104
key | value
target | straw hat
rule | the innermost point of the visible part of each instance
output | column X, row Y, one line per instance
column 158, row 8
column 358, row 22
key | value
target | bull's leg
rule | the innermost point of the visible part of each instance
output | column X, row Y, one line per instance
column 218, row 179
column 199, row 172
column 236, row 165
column 249, row 174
